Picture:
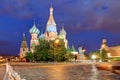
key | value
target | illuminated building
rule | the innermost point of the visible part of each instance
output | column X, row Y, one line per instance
column 113, row 51
column 49, row 34
column 23, row 48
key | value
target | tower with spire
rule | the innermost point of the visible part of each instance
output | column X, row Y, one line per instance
column 34, row 31
column 51, row 30
column 23, row 48
column 104, row 44
column 62, row 35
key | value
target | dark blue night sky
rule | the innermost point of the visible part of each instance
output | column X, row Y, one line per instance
column 86, row 21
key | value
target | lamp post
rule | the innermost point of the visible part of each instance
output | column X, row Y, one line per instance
column 54, row 45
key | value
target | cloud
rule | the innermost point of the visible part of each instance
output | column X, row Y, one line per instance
column 96, row 15
column 86, row 2
column 21, row 9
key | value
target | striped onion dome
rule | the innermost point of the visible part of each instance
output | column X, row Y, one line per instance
column 34, row 29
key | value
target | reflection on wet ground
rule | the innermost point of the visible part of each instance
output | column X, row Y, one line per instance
column 64, row 72
column 2, row 71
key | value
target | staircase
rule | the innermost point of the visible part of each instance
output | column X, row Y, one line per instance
column 11, row 74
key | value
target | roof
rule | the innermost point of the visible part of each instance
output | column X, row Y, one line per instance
column 51, row 18
column 24, row 43
column 34, row 29
column 114, row 51
column 73, row 48
column 62, row 32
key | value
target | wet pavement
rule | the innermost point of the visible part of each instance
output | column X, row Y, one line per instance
column 2, row 71
column 64, row 72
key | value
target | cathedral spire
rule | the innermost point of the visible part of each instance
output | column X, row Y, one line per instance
column 23, row 34
column 51, row 20
column 34, row 21
column 62, row 25
column 73, row 48
column 63, row 28
column 63, row 32
column 51, row 9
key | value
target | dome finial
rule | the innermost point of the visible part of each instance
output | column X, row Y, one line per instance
column 34, row 29
column 51, row 9
column 62, row 25
column 34, row 21
column 51, row 4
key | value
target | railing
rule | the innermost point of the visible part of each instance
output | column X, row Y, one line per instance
column 11, row 74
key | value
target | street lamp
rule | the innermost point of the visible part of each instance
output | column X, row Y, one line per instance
column 94, row 58
column 54, row 45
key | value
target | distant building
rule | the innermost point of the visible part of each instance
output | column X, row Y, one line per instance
column 113, row 51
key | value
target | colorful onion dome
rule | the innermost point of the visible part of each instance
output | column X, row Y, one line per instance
column 34, row 29
column 51, row 28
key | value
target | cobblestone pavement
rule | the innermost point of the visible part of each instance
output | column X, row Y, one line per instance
column 64, row 72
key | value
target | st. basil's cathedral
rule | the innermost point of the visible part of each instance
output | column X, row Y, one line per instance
column 50, row 34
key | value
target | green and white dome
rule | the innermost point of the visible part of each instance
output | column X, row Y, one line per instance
column 34, row 30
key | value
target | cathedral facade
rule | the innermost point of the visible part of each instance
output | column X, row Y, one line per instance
column 49, row 34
